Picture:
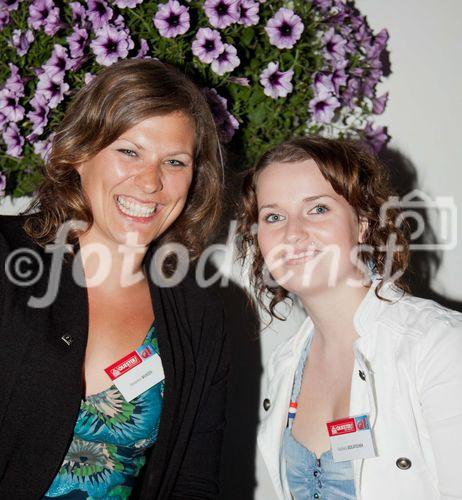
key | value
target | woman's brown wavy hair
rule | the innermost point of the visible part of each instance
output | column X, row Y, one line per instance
column 118, row 98
column 355, row 174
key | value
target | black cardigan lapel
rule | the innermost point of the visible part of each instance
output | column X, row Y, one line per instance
column 175, row 347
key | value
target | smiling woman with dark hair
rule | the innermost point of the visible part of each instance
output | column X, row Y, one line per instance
column 116, row 388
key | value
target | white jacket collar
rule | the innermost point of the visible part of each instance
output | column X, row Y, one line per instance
column 371, row 306
column 369, row 309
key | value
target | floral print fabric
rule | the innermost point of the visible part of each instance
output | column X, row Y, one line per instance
column 111, row 437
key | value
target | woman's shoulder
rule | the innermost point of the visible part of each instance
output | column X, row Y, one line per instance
column 12, row 232
column 199, row 294
column 430, row 331
column 420, row 317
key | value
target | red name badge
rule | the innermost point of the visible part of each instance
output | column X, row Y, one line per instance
column 136, row 372
column 351, row 438
column 123, row 365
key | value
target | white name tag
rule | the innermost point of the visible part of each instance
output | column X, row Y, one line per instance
column 351, row 438
column 136, row 372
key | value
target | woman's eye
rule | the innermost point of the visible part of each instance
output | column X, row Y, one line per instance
column 273, row 218
column 319, row 209
column 128, row 152
column 176, row 163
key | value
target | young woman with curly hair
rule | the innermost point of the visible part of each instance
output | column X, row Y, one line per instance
column 133, row 166
column 381, row 367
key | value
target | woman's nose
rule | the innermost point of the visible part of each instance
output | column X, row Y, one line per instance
column 295, row 231
column 150, row 178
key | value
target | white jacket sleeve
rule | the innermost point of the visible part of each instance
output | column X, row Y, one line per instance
column 440, row 387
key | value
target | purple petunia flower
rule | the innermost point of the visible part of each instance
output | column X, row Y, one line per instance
column 338, row 14
column 334, row 45
column 21, row 41
column 351, row 92
column 225, row 122
column 122, row 4
column 207, row 45
column 362, row 35
column 323, row 5
column 375, row 137
column 244, row 82
column 99, row 13
column 12, row 111
column 323, row 107
column 14, row 83
column 284, row 29
column 368, row 86
column 79, row 13
column 3, row 119
column 218, row 104
column 44, row 13
column 52, row 90
column 339, row 77
column 43, row 148
column 276, row 83
column 144, row 49
column 380, row 41
column 226, row 61
column 222, row 13
column 323, row 85
column 38, row 116
column 9, row 5
column 88, row 77
column 4, row 18
column 2, row 184
column 379, row 103
column 119, row 23
column 12, row 91
column 110, row 45
column 227, row 129
column 248, row 15
column 77, row 42
column 13, row 140
column 171, row 19
column 58, row 63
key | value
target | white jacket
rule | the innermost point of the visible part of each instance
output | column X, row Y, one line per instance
column 410, row 352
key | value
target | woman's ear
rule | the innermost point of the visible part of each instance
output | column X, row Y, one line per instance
column 363, row 227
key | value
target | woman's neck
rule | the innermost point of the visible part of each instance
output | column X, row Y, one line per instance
column 121, row 265
column 332, row 311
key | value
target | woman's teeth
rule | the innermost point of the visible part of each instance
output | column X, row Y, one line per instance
column 309, row 253
column 134, row 209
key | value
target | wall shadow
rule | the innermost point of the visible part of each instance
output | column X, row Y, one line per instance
column 424, row 264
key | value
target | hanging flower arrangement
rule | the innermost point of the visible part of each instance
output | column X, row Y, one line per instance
column 270, row 70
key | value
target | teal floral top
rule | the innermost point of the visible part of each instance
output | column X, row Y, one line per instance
column 111, row 437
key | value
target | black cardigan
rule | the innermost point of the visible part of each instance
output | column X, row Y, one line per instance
column 41, row 380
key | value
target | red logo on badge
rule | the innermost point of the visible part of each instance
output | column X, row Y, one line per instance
column 123, row 365
column 344, row 426
column 146, row 352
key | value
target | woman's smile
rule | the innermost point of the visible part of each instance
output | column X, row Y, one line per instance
column 134, row 210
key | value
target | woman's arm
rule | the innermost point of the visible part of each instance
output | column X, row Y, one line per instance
column 440, row 387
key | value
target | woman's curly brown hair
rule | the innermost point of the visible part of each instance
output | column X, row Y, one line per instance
column 117, row 99
column 355, row 174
